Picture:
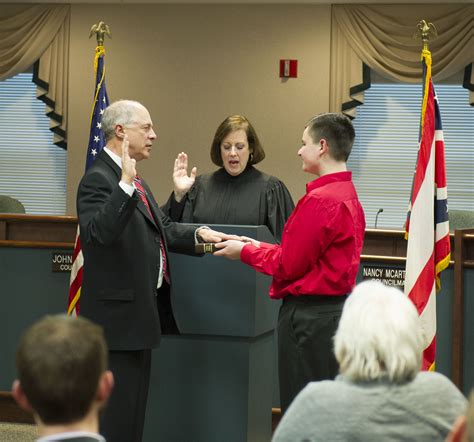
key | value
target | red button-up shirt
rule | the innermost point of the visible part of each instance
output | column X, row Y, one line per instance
column 321, row 244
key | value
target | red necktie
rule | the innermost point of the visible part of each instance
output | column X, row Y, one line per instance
column 142, row 193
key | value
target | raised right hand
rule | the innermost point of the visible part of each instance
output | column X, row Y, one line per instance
column 182, row 182
column 129, row 170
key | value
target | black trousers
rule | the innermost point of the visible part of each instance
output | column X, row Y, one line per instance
column 124, row 415
column 306, row 327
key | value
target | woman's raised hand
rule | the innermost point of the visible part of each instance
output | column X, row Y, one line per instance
column 182, row 182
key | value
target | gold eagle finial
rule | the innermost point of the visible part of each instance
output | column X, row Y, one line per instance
column 100, row 29
column 425, row 31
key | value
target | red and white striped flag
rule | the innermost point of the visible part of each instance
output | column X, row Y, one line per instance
column 427, row 226
column 96, row 144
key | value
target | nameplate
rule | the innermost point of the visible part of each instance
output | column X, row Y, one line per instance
column 61, row 262
column 391, row 276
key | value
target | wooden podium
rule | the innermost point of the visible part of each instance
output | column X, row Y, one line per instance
column 214, row 382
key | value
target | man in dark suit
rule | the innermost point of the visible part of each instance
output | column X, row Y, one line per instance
column 126, row 284
column 63, row 378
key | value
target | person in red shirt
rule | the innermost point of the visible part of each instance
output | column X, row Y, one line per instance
column 315, row 266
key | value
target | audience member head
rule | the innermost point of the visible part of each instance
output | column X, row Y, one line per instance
column 236, row 131
column 379, row 335
column 337, row 130
column 62, row 370
column 463, row 429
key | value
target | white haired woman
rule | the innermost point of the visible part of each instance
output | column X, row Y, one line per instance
column 380, row 393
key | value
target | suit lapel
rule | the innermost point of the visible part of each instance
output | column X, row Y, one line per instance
column 142, row 208
column 105, row 157
column 153, row 206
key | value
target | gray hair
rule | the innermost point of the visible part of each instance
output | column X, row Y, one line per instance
column 121, row 112
column 379, row 335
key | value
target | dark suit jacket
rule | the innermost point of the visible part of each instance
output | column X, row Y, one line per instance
column 121, row 247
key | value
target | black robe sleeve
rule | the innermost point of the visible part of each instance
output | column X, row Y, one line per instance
column 279, row 207
column 251, row 198
column 174, row 209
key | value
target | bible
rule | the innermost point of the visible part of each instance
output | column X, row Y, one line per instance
column 205, row 247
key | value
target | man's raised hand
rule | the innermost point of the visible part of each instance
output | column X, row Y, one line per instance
column 129, row 170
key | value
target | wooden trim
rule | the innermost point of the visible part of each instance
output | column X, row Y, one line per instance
column 462, row 240
column 21, row 218
column 3, row 230
column 39, row 231
column 401, row 260
column 458, row 303
column 388, row 233
column 38, row 244
column 468, row 264
column 383, row 259
column 11, row 412
column 276, row 417
column 36, row 231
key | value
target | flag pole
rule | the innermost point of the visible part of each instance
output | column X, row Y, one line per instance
column 96, row 144
column 427, row 226
column 425, row 31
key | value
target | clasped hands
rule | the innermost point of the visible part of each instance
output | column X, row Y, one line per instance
column 229, row 246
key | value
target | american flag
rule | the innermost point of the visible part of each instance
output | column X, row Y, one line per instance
column 96, row 144
column 427, row 226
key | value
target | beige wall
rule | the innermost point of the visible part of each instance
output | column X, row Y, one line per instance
column 194, row 65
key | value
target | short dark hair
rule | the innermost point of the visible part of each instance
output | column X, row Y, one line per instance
column 60, row 360
column 232, row 124
column 337, row 130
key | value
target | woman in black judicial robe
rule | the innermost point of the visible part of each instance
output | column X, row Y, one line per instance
column 237, row 193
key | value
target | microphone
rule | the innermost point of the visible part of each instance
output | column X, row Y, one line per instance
column 377, row 216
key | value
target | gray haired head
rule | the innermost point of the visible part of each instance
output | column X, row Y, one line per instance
column 379, row 335
column 121, row 112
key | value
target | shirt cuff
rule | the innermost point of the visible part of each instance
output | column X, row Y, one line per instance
column 246, row 253
column 197, row 238
column 127, row 188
